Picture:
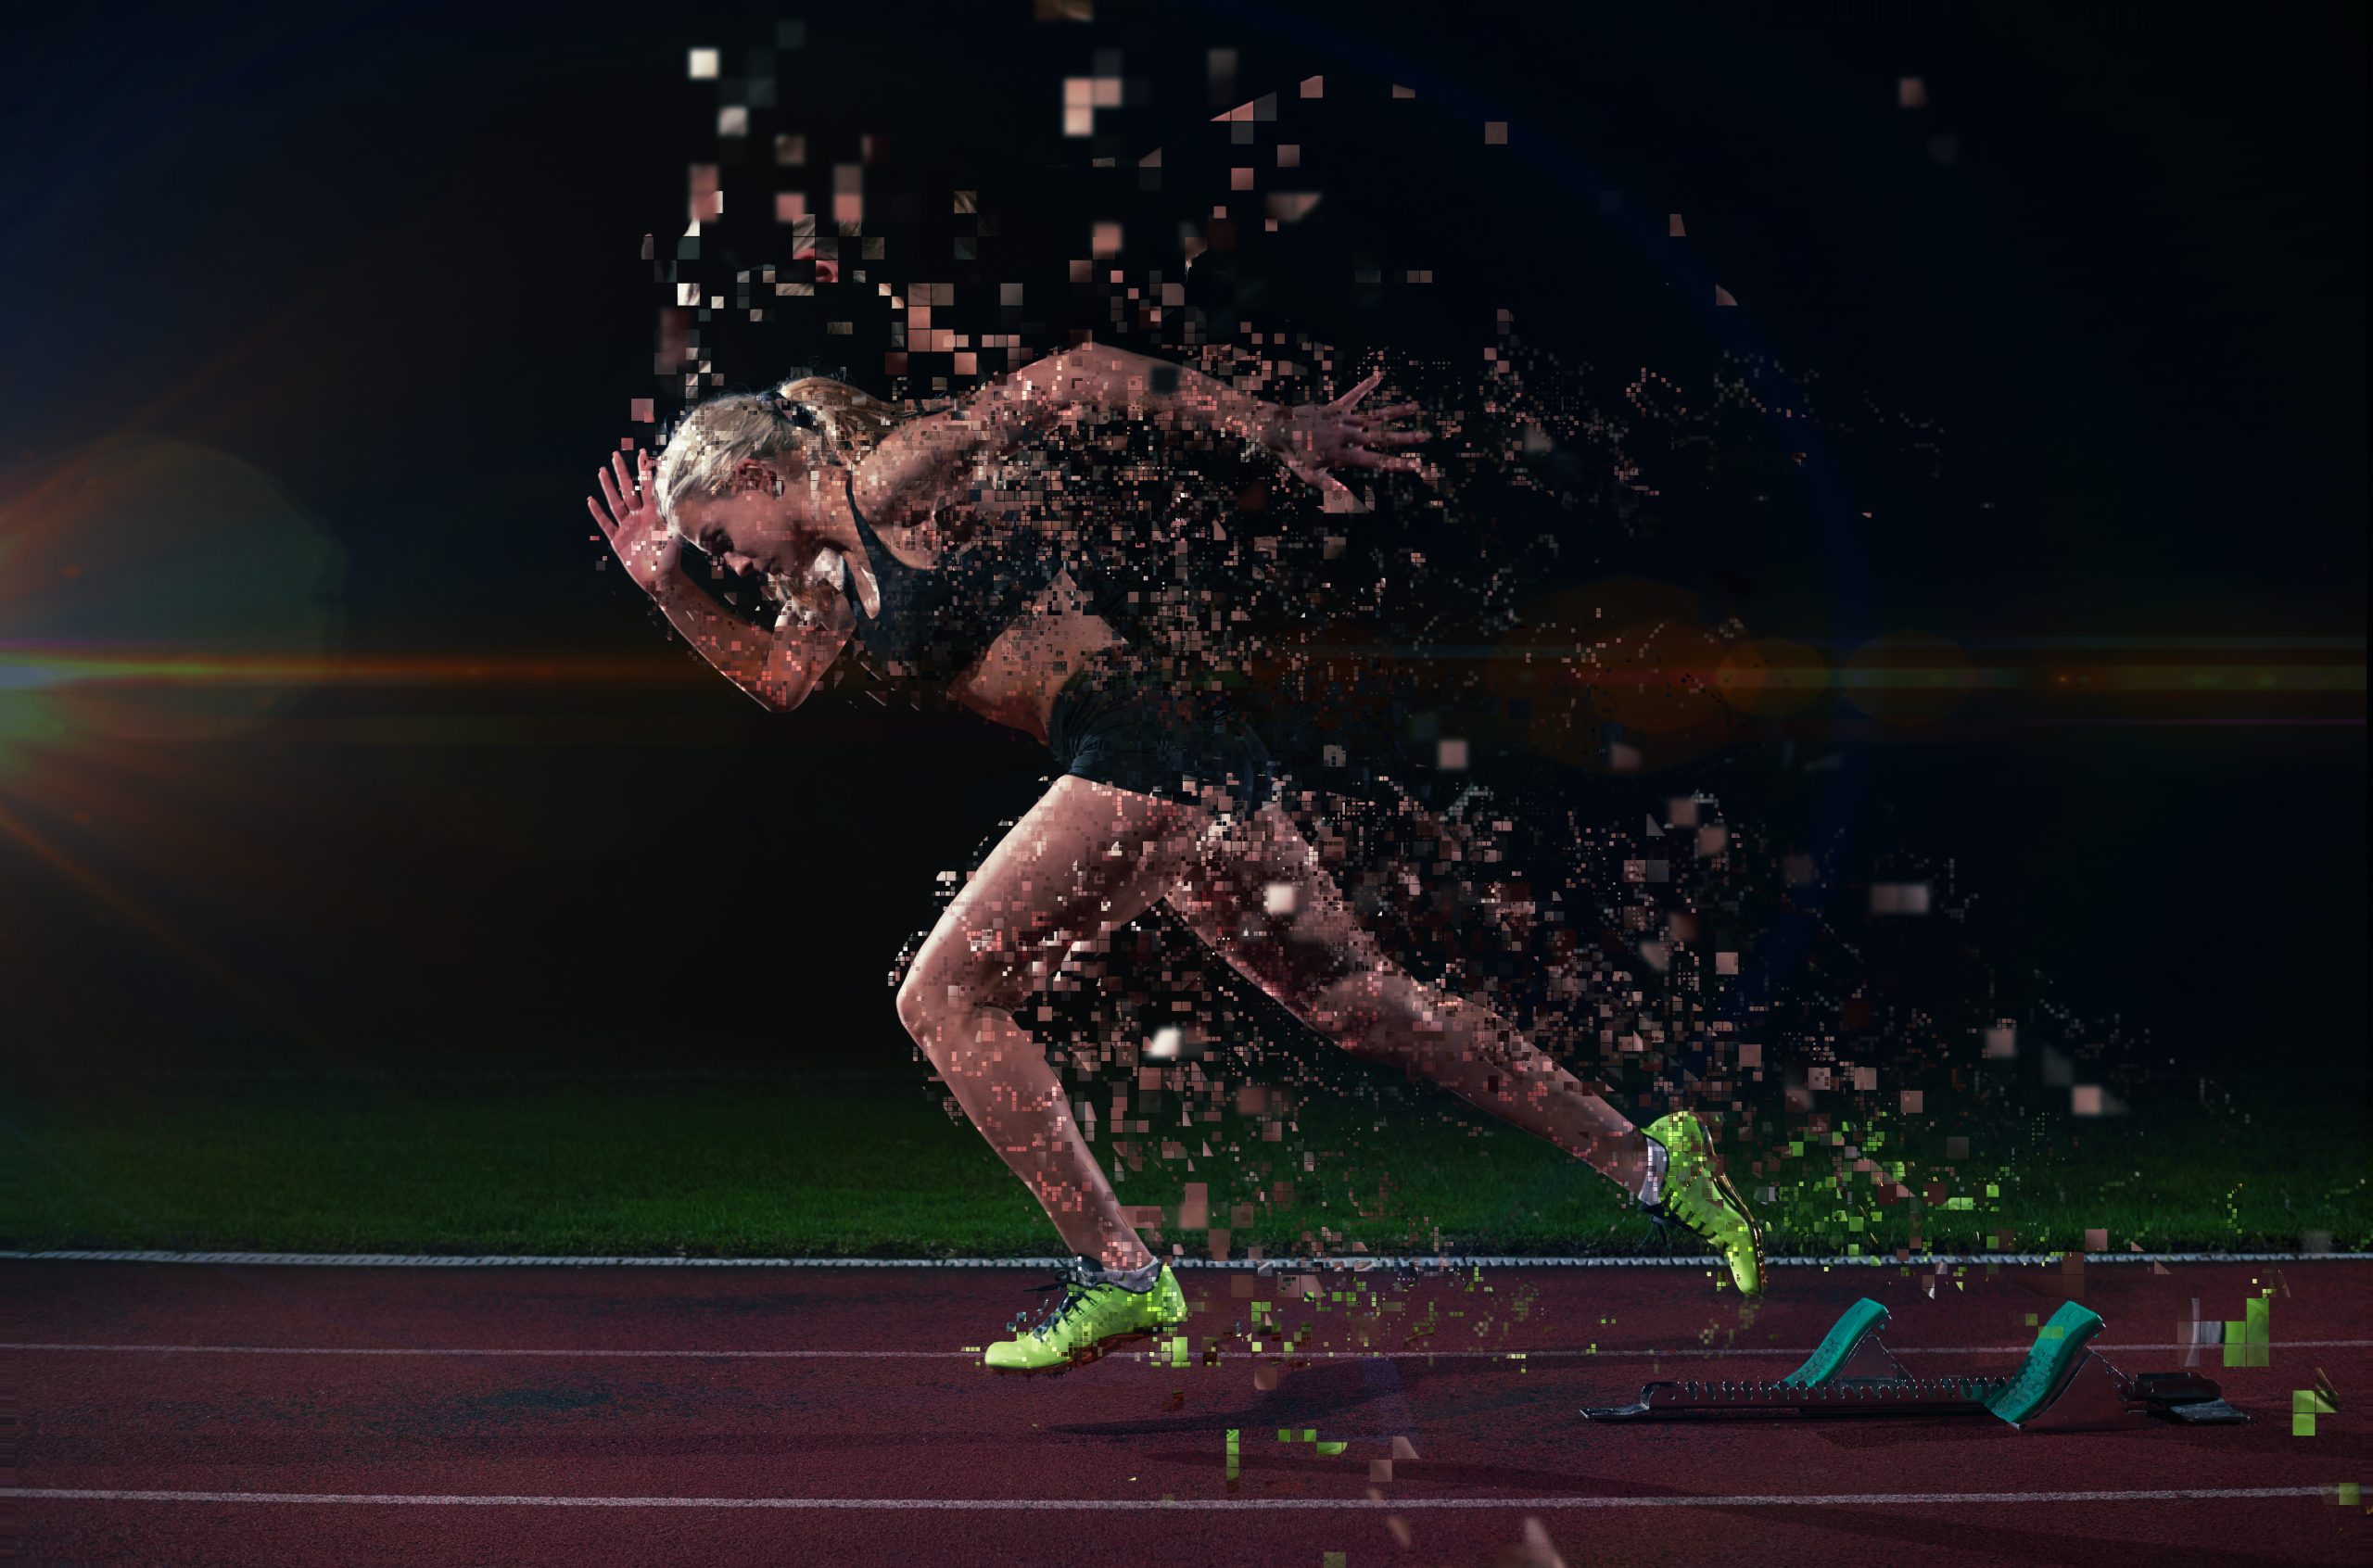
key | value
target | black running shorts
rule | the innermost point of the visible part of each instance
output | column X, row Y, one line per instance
column 1122, row 721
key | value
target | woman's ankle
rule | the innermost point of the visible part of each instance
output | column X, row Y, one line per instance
column 1138, row 1276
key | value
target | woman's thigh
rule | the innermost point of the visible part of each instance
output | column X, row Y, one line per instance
column 1255, row 890
column 1085, row 859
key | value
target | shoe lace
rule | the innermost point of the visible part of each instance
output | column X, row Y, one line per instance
column 1074, row 1284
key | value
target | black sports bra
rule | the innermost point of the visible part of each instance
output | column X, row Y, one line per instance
column 937, row 621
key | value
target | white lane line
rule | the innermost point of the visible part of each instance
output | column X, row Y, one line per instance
column 1775, row 1353
column 1355, row 1262
column 1207, row 1505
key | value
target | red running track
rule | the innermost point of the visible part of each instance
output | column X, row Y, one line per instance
column 802, row 1416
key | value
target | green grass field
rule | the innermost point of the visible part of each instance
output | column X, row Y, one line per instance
column 792, row 1165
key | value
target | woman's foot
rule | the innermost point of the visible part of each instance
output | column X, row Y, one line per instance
column 1699, row 1198
column 1099, row 1310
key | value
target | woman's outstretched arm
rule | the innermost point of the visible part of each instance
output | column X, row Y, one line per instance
column 1096, row 382
column 1093, row 381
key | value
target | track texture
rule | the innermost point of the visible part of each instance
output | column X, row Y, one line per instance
column 672, row 1385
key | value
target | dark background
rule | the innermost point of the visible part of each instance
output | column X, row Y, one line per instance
column 386, row 258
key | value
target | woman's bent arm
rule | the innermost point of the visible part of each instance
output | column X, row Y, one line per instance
column 778, row 667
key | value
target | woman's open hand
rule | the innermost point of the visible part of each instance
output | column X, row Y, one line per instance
column 628, row 514
column 1314, row 439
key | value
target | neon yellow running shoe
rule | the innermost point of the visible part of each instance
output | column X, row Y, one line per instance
column 1698, row 1197
column 1093, row 1316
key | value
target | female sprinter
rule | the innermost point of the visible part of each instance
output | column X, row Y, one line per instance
column 878, row 526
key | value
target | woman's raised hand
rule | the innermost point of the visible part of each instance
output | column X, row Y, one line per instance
column 1315, row 438
column 628, row 514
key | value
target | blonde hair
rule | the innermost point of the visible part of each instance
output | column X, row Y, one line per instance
column 828, row 421
column 853, row 420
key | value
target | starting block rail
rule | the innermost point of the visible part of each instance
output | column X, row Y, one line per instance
column 2063, row 1385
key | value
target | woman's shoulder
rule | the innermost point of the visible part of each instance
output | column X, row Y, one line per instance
column 971, row 511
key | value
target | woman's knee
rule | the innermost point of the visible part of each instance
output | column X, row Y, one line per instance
column 944, row 995
column 1366, row 1011
column 928, row 1000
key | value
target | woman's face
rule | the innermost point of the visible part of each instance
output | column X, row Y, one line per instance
column 756, row 524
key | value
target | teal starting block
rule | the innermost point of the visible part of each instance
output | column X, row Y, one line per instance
column 1850, row 1350
column 2063, row 1385
column 2052, row 1362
